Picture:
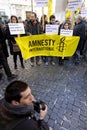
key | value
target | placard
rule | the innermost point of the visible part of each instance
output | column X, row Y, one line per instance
column 16, row 28
column 52, row 29
column 41, row 3
column 84, row 12
column 66, row 32
column 73, row 5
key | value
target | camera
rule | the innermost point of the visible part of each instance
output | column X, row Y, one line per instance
column 39, row 105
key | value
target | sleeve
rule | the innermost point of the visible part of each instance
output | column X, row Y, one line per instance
column 43, row 125
column 28, row 29
column 9, row 36
column 77, row 31
column 41, row 29
column 1, row 36
column 31, row 124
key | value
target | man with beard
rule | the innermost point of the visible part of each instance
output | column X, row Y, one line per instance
column 33, row 27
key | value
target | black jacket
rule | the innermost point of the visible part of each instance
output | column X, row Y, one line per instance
column 3, row 44
column 19, row 118
column 29, row 28
column 79, row 30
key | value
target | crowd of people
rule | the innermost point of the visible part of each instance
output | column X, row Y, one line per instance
column 17, row 108
column 35, row 27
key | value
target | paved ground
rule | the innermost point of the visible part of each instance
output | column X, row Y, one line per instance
column 63, row 88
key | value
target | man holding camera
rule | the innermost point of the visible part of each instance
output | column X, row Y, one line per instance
column 17, row 109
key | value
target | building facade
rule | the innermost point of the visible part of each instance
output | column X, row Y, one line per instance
column 20, row 7
column 60, row 9
column 15, row 7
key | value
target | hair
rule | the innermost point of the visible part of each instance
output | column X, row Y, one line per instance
column 52, row 17
column 14, row 17
column 80, row 18
column 14, row 89
column 64, row 24
column 44, row 19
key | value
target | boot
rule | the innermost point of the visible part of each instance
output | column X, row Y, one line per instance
column 22, row 66
column 15, row 66
column 1, row 75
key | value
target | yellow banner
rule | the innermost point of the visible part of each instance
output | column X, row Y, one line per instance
column 47, row 45
column 68, row 14
column 50, row 8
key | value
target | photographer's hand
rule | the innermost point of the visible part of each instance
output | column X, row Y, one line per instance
column 43, row 113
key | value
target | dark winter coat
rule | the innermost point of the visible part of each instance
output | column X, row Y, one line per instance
column 33, row 29
column 19, row 118
column 3, row 44
column 11, row 39
column 79, row 30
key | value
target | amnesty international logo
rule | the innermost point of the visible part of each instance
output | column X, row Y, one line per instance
column 47, row 45
column 61, row 46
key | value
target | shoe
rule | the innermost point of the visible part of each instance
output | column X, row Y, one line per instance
column 13, row 76
column 46, row 63
column 1, row 75
column 61, row 63
column 38, row 63
column 22, row 66
column 1, row 66
column 53, row 63
column 32, row 64
column 15, row 67
column 76, row 63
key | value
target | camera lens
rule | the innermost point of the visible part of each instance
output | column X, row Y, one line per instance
column 39, row 105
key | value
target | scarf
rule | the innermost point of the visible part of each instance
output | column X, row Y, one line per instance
column 10, row 112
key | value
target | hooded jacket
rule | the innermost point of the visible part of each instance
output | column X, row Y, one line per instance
column 14, row 117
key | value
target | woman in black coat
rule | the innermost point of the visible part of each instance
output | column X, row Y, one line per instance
column 15, row 51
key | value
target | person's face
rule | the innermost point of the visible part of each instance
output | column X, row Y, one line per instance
column 66, row 26
column 52, row 21
column 26, row 97
column 77, row 20
column 32, row 17
column 13, row 20
column 46, row 19
column 69, row 26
